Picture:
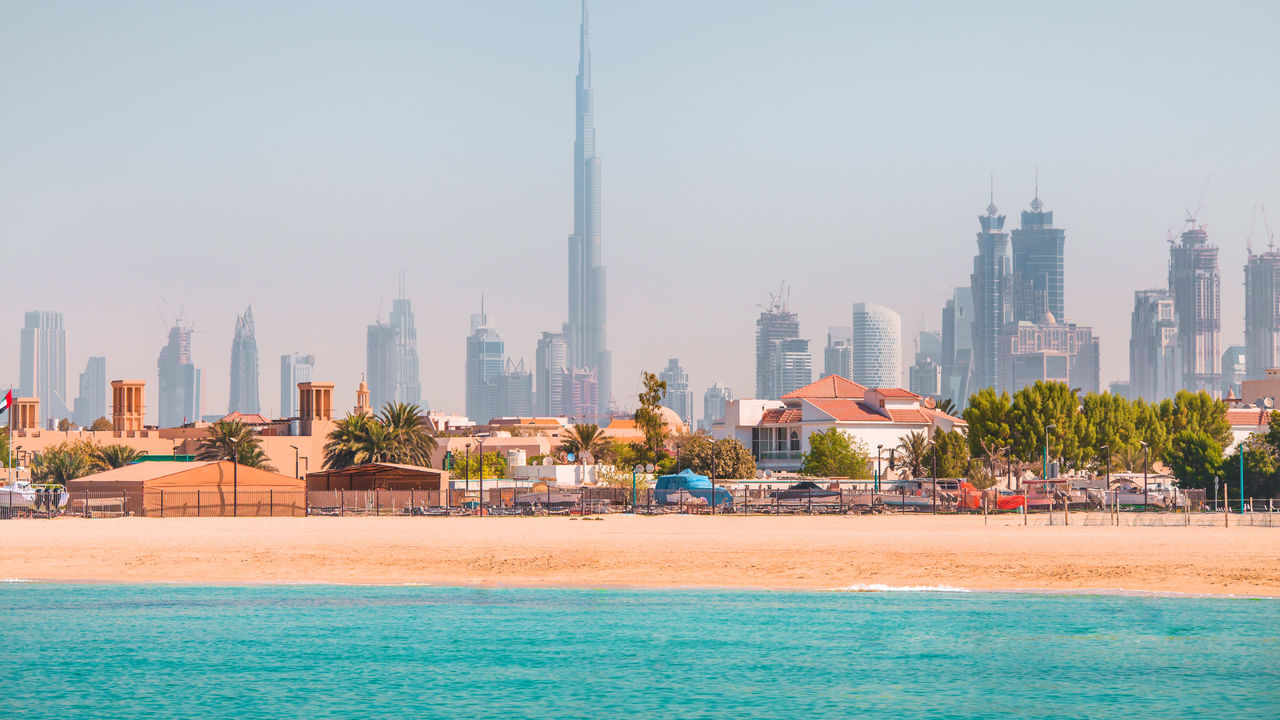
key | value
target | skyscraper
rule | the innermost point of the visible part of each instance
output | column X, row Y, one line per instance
column 793, row 368
column 551, row 362
column 775, row 325
column 485, row 355
column 408, row 389
column 1050, row 352
column 714, row 401
column 244, row 367
column 1234, row 370
column 1197, row 300
column 294, row 368
column 42, row 371
column 380, row 364
column 679, row 397
column 178, row 389
column 877, row 346
column 925, row 374
column 585, row 330
column 989, row 284
column 1155, row 367
column 515, row 390
column 91, row 403
column 837, row 357
column 1262, row 312
column 957, row 346
column 1037, row 266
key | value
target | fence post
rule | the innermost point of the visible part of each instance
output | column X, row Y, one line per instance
column 162, row 503
column 197, row 503
column 271, row 500
column 342, row 502
column 413, row 502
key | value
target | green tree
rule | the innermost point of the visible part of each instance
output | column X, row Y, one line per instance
column 1110, row 421
column 101, row 424
column 1148, row 428
column 1260, row 465
column 116, row 455
column 724, row 459
column 648, row 416
column 233, row 440
column 64, row 425
column 989, row 417
column 627, row 455
column 832, row 453
column 1037, row 406
column 913, row 451
column 952, row 450
column 1195, row 458
column 494, row 464
column 342, row 446
column 1197, row 412
column 583, row 440
column 64, row 462
column 4, row 449
column 946, row 405
column 411, row 442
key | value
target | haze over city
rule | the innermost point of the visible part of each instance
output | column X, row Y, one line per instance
column 164, row 161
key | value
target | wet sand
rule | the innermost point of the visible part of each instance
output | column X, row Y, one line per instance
column 814, row 553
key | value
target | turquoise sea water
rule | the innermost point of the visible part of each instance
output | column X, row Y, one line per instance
column 430, row 652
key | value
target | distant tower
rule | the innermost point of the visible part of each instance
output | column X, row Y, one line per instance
column 877, row 346
column 127, row 406
column 407, row 389
column 774, row 326
column 362, row 398
column 585, row 331
column 179, row 386
column 679, row 397
column 294, row 368
column 1038, row 286
column 550, row 368
column 989, row 285
column 91, row 403
column 244, row 367
column 485, row 355
column 714, row 401
column 1262, row 312
column 1155, row 367
column 1197, row 296
column 837, row 357
column 42, row 368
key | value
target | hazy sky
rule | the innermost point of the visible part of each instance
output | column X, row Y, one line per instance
column 198, row 157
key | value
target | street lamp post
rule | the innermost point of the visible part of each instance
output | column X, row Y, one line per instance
column 1044, row 467
column 468, row 471
column 1145, row 500
column 235, row 478
column 934, row 443
column 879, row 451
column 634, row 471
column 480, row 463
column 296, row 465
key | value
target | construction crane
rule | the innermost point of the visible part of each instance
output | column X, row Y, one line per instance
column 1192, row 215
column 1266, row 224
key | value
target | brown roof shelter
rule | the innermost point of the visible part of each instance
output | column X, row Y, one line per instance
column 379, row 476
column 193, row 488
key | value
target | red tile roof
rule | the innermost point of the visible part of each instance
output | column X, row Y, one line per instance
column 247, row 419
column 847, row 410
column 909, row 415
column 831, row 386
column 896, row 393
column 775, row 416
column 1249, row 416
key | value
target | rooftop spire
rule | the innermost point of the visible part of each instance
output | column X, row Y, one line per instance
column 992, row 209
column 1036, row 203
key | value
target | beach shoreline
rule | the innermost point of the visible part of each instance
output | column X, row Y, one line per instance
column 817, row 553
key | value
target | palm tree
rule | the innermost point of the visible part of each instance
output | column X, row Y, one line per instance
column 915, row 449
column 344, row 440
column 232, row 440
column 413, row 444
column 377, row 444
column 116, row 456
column 63, row 463
column 583, row 440
column 947, row 406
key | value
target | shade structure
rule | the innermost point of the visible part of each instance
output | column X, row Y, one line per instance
column 379, row 476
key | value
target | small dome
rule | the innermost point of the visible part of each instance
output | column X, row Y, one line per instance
column 1048, row 318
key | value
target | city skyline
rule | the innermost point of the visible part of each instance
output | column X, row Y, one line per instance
column 1119, row 185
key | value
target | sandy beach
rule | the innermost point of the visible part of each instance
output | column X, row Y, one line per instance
column 815, row 553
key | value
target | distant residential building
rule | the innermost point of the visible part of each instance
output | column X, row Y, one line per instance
column 1155, row 366
column 91, row 403
column 714, row 401
column 178, row 389
column 877, row 346
column 1120, row 388
column 957, row 346
column 581, row 391
column 678, row 396
column 990, row 296
column 837, row 357
column 1038, row 265
column 244, row 367
column 550, row 364
column 1048, row 351
column 1197, row 295
column 1234, row 365
column 515, row 391
column 42, row 366
column 294, row 368
column 777, row 432
column 486, row 353
column 1262, row 313
column 774, row 326
column 794, row 365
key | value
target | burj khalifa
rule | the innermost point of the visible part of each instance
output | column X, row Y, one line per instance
column 585, row 329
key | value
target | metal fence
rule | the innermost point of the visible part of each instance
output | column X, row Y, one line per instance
column 194, row 503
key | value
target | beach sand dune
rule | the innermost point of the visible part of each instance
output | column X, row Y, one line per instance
column 669, row 551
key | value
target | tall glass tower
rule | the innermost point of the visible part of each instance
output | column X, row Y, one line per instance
column 244, row 367
column 990, row 294
column 585, row 330
column 1037, row 266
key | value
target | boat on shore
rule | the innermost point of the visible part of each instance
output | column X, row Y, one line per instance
column 22, row 497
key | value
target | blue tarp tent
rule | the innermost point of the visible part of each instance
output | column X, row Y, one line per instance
column 669, row 487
